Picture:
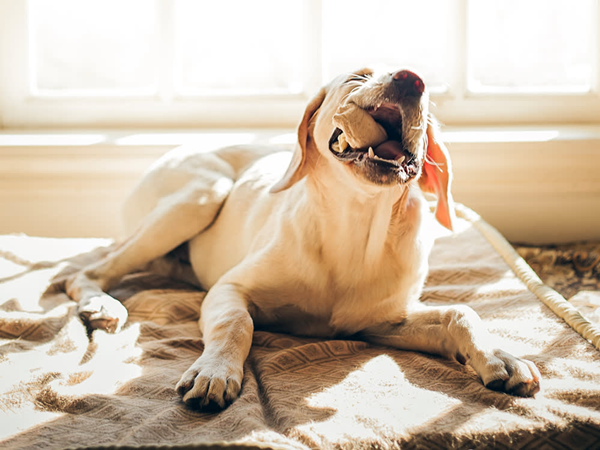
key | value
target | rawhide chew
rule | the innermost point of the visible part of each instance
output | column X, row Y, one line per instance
column 359, row 128
column 341, row 144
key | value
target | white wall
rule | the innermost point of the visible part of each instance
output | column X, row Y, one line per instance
column 534, row 185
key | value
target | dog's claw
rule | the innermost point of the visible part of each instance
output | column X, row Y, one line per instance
column 183, row 388
column 523, row 389
column 109, row 325
column 208, row 384
column 506, row 373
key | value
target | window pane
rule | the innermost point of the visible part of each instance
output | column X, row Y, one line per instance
column 396, row 34
column 239, row 46
column 90, row 45
column 530, row 45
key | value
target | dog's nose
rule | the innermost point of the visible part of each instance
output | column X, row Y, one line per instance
column 409, row 83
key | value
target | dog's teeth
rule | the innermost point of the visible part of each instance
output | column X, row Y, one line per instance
column 401, row 159
column 343, row 142
column 336, row 147
column 371, row 153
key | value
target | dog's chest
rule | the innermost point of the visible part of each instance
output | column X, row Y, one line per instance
column 343, row 281
column 328, row 312
column 321, row 300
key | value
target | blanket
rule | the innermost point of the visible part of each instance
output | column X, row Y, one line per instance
column 62, row 386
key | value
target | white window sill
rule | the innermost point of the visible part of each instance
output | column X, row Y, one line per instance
column 535, row 184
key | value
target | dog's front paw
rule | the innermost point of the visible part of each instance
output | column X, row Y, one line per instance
column 103, row 312
column 210, row 381
column 504, row 372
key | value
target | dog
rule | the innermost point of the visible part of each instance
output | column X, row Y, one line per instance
column 330, row 240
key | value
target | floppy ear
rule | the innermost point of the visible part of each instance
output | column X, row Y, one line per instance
column 295, row 172
column 436, row 177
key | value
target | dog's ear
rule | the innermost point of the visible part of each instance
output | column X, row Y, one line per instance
column 295, row 171
column 436, row 176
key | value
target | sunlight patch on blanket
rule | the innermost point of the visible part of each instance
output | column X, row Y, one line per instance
column 365, row 393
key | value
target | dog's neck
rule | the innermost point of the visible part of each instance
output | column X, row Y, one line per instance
column 369, row 219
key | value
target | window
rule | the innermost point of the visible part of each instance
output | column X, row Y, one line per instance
column 91, row 63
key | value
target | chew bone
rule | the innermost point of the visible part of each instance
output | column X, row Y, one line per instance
column 341, row 144
column 359, row 128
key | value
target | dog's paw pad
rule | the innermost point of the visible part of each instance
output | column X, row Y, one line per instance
column 496, row 385
column 525, row 389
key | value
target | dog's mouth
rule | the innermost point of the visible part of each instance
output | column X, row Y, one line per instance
column 390, row 155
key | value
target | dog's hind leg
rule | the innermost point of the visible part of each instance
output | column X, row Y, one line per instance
column 175, row 219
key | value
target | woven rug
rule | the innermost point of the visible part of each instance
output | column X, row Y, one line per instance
column 572, row 269
column 63, row 388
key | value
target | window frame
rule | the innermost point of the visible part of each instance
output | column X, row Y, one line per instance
column 20, row 108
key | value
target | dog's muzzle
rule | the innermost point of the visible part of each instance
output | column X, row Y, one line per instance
column 399, row 107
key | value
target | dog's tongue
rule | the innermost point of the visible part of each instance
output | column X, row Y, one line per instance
column 389, row 150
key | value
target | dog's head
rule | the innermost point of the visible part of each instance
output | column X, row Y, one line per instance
column 377, row 130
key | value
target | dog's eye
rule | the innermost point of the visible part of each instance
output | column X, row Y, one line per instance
column 360, row 78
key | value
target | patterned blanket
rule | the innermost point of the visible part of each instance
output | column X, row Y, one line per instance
column 62, row 387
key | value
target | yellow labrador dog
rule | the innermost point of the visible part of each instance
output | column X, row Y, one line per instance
column 333, row 241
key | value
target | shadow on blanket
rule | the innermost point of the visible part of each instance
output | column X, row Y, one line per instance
column 64, row 387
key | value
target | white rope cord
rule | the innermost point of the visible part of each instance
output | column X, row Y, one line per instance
column 552, row 299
